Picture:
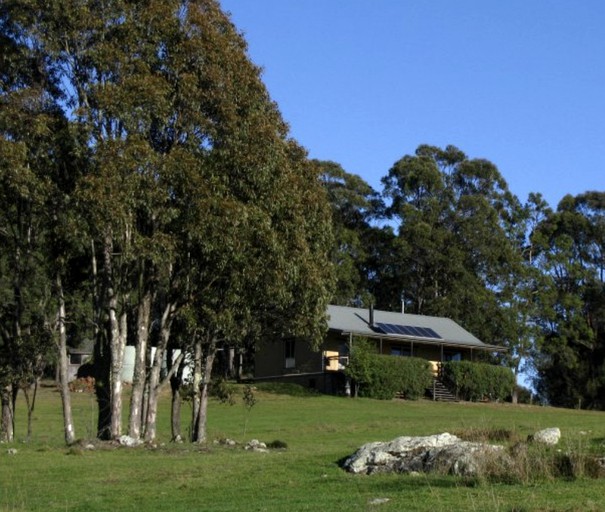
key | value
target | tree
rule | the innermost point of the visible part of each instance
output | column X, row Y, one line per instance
column 569, row 251
column 189, row 191
column 355, row 209
column 458, row 240
column 31, row 156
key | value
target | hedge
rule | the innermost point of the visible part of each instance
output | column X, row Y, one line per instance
column 478, row 381
column 383, row 377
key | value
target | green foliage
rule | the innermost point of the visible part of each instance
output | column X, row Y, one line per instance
column 569, row 249
column 172, row 168
column 478, row 381
column 249, row 400
column 355, row 205
column 383, row 377
column 286, row 388
column 223, row 391
column 249, row 397
column 277, row 445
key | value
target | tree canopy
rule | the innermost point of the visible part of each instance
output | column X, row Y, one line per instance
column 188, row 191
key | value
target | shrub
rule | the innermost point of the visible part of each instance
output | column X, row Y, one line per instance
column 478, row 381
column 277, row 445
column 285, row 388
column 223, row 391
column 383, row 377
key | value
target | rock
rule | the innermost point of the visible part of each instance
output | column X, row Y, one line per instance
column 442, row 452
column 129, row 442
column 378, row 501
column 12, row 451
column 256, row 446
column 548, row 436
column 225, row 441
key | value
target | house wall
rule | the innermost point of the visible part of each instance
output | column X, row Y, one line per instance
column 430, row 352
column 270, row 360
column 310, row 368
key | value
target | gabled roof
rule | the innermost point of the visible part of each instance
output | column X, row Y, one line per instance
column 356, row 321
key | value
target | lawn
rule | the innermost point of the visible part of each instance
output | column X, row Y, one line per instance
column 319, row 431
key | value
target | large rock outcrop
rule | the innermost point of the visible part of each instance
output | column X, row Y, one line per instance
column 445, row 453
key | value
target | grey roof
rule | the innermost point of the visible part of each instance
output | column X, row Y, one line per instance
column 357, row 322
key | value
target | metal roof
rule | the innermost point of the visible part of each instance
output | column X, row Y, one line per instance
column 356, row 321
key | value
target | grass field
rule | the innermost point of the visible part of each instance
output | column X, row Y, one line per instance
column 319, row 431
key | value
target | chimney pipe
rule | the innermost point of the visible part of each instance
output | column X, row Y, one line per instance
column 371, row 315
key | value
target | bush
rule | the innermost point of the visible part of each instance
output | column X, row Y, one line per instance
column 383, row 377
column 478, row 381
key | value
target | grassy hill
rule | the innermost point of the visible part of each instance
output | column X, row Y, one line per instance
column 318, row 430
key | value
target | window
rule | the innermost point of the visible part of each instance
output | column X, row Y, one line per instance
column 289, row 353
column 76, row 358
column 452, row 356
column 398, row 350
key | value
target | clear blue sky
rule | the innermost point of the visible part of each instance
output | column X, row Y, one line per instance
column 364, row 82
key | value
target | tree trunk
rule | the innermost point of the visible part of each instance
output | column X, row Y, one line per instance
column 7, row 426
column 155, row 380
column 152, row 398
column 200, row 435
column 175, row 412
column 68, row 423
column 30, row 401
column 515, row 393
column 116, row 343
column 109, row 352
column 102, row 378
column 135, row 421
column 196, row 385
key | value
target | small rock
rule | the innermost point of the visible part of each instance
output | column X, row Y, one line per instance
column 12, row 451
column 378, row 501
column 255, row 443
column 548, row 436
column 128, row 441
column 89, row 446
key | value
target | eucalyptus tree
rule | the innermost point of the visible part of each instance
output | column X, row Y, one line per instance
column 32, row 151
column 190, row 191
column 569, row 246
column 460, row 235
column 356, row 209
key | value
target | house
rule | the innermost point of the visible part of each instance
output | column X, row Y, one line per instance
column 78, row 357
column 436, row 339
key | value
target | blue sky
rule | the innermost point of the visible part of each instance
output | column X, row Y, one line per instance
column 364, row 82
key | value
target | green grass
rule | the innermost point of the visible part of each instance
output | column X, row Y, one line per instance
column 319, row 431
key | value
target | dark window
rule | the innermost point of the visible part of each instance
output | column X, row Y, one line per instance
column 452, row 356
column 398, row 350
column 289, row 352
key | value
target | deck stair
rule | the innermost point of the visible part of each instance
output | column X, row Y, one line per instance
column 440, row 392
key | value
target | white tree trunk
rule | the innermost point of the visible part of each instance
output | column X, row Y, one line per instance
column 200, row 436
column 156, row 383
column 135, row 421
column 68, row 423
column 196, row 383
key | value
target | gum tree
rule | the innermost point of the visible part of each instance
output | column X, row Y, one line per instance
column 190, row 192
